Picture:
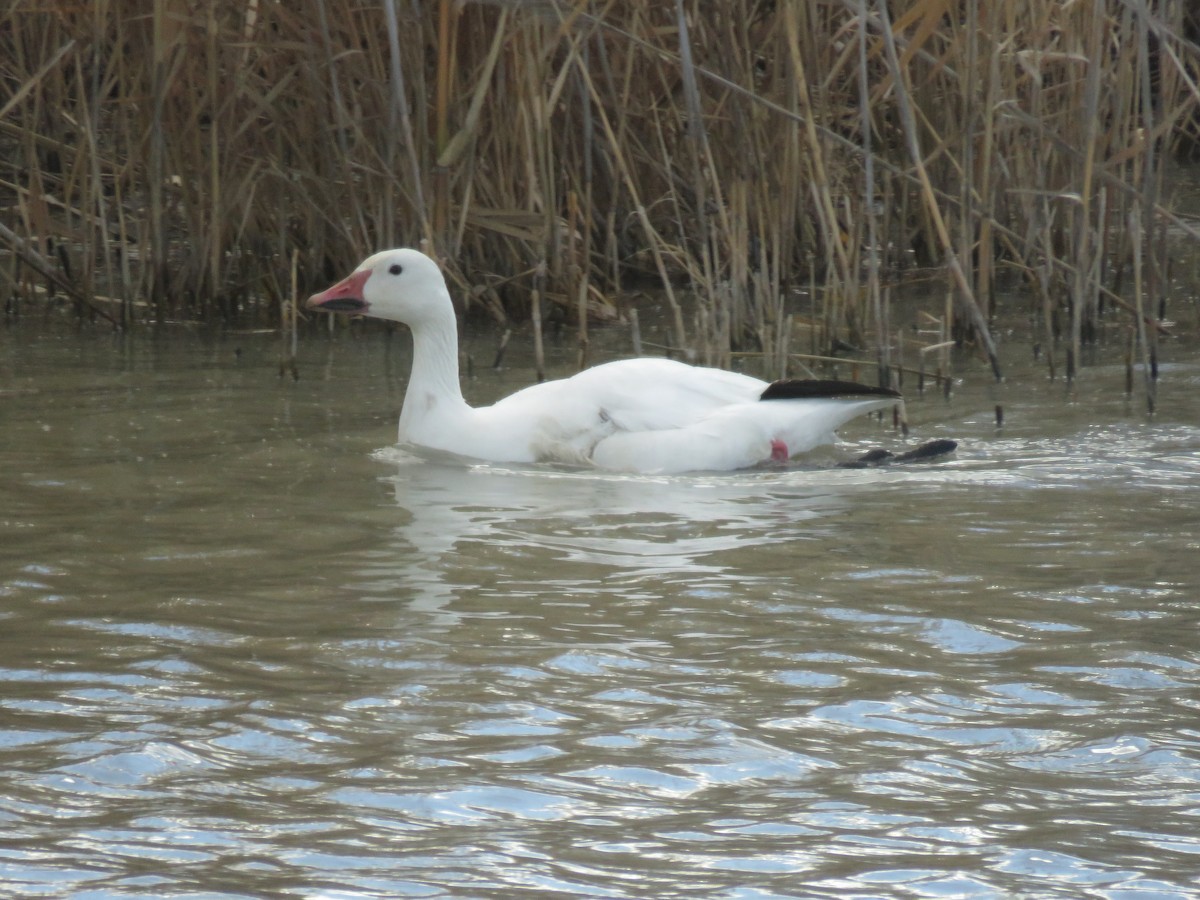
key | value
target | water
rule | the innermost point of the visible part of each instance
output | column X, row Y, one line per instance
column 246, row 650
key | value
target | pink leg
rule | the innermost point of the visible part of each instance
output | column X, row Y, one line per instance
column 779, row 451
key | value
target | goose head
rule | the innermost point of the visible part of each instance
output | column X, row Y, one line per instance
column 402, row 285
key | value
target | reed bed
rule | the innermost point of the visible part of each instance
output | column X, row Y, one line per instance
column 782, row 173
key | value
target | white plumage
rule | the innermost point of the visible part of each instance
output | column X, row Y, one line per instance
column 637, row 415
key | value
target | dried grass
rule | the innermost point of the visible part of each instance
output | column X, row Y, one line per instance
column 194, row 159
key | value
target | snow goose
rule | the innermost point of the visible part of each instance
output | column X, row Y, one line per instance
column 635, row 415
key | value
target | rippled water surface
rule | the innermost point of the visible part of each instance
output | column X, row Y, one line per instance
column 248, row 650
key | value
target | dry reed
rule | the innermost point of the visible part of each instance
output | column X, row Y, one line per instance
column 202, row 160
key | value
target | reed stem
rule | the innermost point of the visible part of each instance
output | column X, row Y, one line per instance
column 175, row 156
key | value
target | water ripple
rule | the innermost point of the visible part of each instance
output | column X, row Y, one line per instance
column 276, row 665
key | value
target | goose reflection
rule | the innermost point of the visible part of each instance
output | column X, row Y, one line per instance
column 475, row 530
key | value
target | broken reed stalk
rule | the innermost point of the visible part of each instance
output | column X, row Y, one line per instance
column 184, row 155
column 883, row 350
column 1151, row 173
column 289, row 315
column 157, row 172
column 398, row 113
column 909, row 127
column 535, row 312
column 25, row 253
column 697, row 140
column 1148, row 369
column 1084, row 232
column 441, row 107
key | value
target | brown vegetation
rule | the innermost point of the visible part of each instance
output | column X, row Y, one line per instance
column 779, row 168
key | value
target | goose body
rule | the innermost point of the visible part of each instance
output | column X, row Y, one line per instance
column 635, row 415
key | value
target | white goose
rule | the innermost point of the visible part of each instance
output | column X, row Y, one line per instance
column 634, row 415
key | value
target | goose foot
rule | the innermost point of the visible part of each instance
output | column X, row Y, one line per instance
column 928, row 451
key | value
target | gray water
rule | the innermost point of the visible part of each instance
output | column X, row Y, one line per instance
column 249, row 650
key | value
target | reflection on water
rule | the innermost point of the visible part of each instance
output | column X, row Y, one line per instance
column 614, row 530
column 246, row 652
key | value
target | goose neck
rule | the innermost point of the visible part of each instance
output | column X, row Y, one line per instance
column 435, row 361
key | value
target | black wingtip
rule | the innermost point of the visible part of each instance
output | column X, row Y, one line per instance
column 814, row 388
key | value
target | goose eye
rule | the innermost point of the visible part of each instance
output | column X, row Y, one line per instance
column 396, row 269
